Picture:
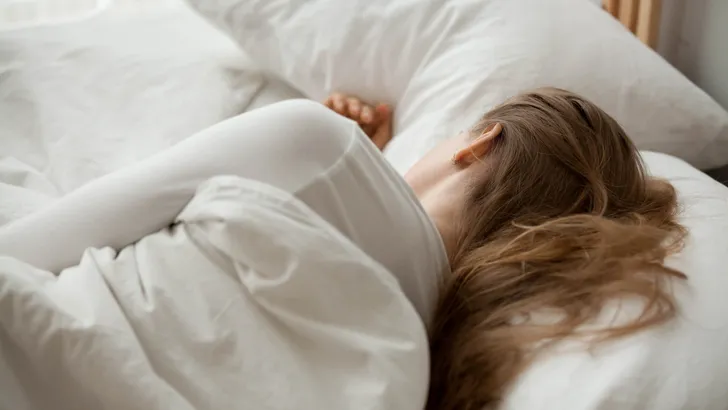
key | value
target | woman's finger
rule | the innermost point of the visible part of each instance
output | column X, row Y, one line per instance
column 369, row 130
column 328, row 103
column 354, row 108
column 383, row 133
column 338, row 102
column 367, row 115
column 382, row 136
column 383, row 112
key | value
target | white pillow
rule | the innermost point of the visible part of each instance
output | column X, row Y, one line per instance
column 444, row 62
column 682, row 365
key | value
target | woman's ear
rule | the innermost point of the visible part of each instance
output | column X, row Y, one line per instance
column 478, row 147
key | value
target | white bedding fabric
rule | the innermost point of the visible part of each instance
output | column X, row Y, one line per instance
column 122, row 333
column 680, row 366
column 80, row 100
column 298, row 146
column 443, row 63
column 233, row 307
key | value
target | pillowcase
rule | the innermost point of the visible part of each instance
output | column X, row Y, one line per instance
column 445, row 62
column 682, row 365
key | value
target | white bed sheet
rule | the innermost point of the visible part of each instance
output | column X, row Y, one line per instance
column 79, row 100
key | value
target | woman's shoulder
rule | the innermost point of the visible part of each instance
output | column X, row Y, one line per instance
column 363, row 197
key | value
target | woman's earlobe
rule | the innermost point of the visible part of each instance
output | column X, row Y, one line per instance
column 459, row 157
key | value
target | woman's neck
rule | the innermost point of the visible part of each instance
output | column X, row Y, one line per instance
column 444, row 203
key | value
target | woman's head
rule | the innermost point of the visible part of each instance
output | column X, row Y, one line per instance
column 544, row 203
column 541, row 154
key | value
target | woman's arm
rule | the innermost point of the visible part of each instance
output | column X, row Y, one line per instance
column 285, row 145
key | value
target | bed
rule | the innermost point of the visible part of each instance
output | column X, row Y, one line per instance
column 88, row 88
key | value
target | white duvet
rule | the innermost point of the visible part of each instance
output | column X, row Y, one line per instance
column 80, row 100
column 235, row 306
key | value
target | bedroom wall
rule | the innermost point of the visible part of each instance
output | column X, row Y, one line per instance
column 694, row 38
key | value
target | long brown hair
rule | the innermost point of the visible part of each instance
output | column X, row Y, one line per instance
column 564, row 218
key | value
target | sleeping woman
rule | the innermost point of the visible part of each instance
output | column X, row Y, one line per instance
column 543, row 203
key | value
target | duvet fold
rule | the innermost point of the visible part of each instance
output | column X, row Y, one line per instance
column 249, row 300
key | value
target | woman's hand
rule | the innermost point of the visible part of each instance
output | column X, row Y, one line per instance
column 374, row 120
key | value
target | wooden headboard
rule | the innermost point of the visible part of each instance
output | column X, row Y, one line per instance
column 642, row 17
